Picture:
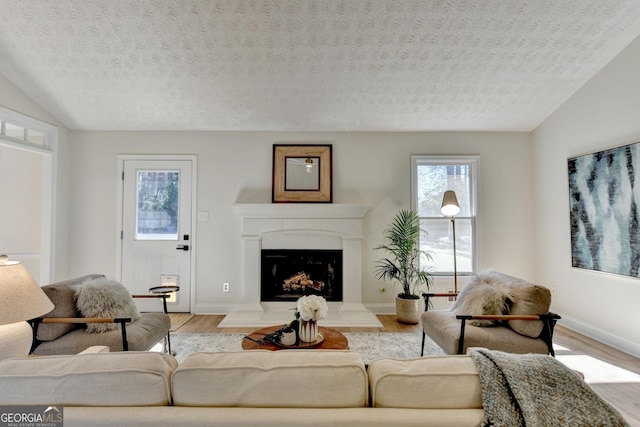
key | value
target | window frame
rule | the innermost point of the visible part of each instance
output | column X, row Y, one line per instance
column 473, row 162
column 48, row 133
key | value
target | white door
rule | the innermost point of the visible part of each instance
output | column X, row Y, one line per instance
column 156, row 230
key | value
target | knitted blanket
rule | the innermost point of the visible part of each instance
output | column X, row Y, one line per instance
column 537, row 390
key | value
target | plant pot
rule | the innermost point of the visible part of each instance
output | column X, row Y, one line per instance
column 408, row 310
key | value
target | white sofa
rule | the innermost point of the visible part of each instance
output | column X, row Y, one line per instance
column 283, row 388
column 302, row 388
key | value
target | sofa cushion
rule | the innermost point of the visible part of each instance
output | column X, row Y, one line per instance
column 62, row 295
column 277, row 379
column 484, row 293
column 437, row 382
column 102, row 379
column 142, row 334
column 105, row 298
column 528, row 299
column 443, row 327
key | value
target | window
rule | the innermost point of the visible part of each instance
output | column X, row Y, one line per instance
column 431, row 177
column 157, row 212
column 22, row 134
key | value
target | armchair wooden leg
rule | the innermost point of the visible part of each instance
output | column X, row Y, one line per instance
column 422, row 346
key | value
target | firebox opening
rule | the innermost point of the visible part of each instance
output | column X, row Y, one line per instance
column 288, row 274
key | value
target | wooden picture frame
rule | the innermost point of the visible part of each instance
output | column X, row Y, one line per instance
column 302, row 173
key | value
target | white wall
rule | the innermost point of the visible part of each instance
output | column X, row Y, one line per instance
column 21, row 175
column 373, row 168
column 603, row 114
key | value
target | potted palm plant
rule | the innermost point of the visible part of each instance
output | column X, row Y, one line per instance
column 403, row 264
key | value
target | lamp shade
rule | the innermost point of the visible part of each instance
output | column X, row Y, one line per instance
column 20, row 296
column 450, row 206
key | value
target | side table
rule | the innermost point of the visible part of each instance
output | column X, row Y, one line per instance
column 162, row 292
column 165, row 291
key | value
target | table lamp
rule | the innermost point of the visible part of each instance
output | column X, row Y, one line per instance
column 451, row 208
column 21, row 299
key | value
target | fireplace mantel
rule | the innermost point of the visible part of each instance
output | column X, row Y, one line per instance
column 301, row 210
column 301, row 226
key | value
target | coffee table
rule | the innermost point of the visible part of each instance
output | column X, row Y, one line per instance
column 333, row 340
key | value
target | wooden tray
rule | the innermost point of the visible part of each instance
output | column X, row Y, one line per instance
column 303, row 345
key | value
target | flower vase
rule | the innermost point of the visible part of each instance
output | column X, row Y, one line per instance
column 308, row 331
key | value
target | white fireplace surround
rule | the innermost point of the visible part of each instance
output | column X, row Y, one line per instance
column 301, row 226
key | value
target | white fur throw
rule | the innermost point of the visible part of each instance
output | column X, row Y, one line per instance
column 484, row 293
column 104, row 298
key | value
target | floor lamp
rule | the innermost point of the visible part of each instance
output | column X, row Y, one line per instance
column 21, row 299
column 451, row 208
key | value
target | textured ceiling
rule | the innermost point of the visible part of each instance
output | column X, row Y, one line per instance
column 308, row 64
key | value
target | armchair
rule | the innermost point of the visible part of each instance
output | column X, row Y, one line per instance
column 522, row 324
column 65, row 331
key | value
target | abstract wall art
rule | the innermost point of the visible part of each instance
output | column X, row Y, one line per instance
column 604, row 191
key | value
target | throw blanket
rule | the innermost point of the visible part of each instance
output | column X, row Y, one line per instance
column 537, row 390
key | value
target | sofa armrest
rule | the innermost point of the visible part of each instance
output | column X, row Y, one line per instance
column 162, row 296
column 121, row 320
column 427, row 303
column 548, row 319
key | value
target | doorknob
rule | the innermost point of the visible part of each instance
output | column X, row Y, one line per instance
column 183, row 248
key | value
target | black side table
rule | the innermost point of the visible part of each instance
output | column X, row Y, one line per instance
column 163, row 292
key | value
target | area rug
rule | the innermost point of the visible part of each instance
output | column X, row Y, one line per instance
column 371, row 345
column 179, row 319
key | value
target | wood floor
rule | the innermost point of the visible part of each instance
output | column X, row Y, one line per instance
column 624, row 395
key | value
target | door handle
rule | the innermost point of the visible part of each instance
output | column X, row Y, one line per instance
column 183, row 248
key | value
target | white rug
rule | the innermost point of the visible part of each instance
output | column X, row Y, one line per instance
column 371, row 345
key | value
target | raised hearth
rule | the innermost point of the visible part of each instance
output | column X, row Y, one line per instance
column 331, row 226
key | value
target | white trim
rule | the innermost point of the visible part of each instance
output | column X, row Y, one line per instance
column 49, row 154
column 620, row 343
column 194, row 187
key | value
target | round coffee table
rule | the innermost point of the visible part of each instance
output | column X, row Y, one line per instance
column 333, row 340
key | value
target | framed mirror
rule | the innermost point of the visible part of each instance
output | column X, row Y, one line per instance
column 302, row 173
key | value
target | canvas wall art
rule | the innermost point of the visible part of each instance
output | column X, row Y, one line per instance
column 603, row 197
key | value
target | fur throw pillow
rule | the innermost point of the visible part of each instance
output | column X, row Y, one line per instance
column 105, row 298
column 484, row 293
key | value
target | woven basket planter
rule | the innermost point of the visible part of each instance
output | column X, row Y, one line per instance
column 408, row 310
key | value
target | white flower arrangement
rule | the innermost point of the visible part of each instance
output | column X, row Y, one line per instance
column 312, row 307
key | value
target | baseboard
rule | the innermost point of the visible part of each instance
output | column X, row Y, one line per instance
column 386, row 308
column 599, row 335
column 203, row 309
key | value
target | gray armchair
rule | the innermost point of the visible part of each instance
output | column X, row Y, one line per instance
column 64, row 331
column 524, row 324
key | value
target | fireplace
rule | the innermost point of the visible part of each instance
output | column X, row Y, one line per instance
column 301, row 227
column 288, row 274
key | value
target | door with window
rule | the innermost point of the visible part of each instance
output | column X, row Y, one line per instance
column 156, row 230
